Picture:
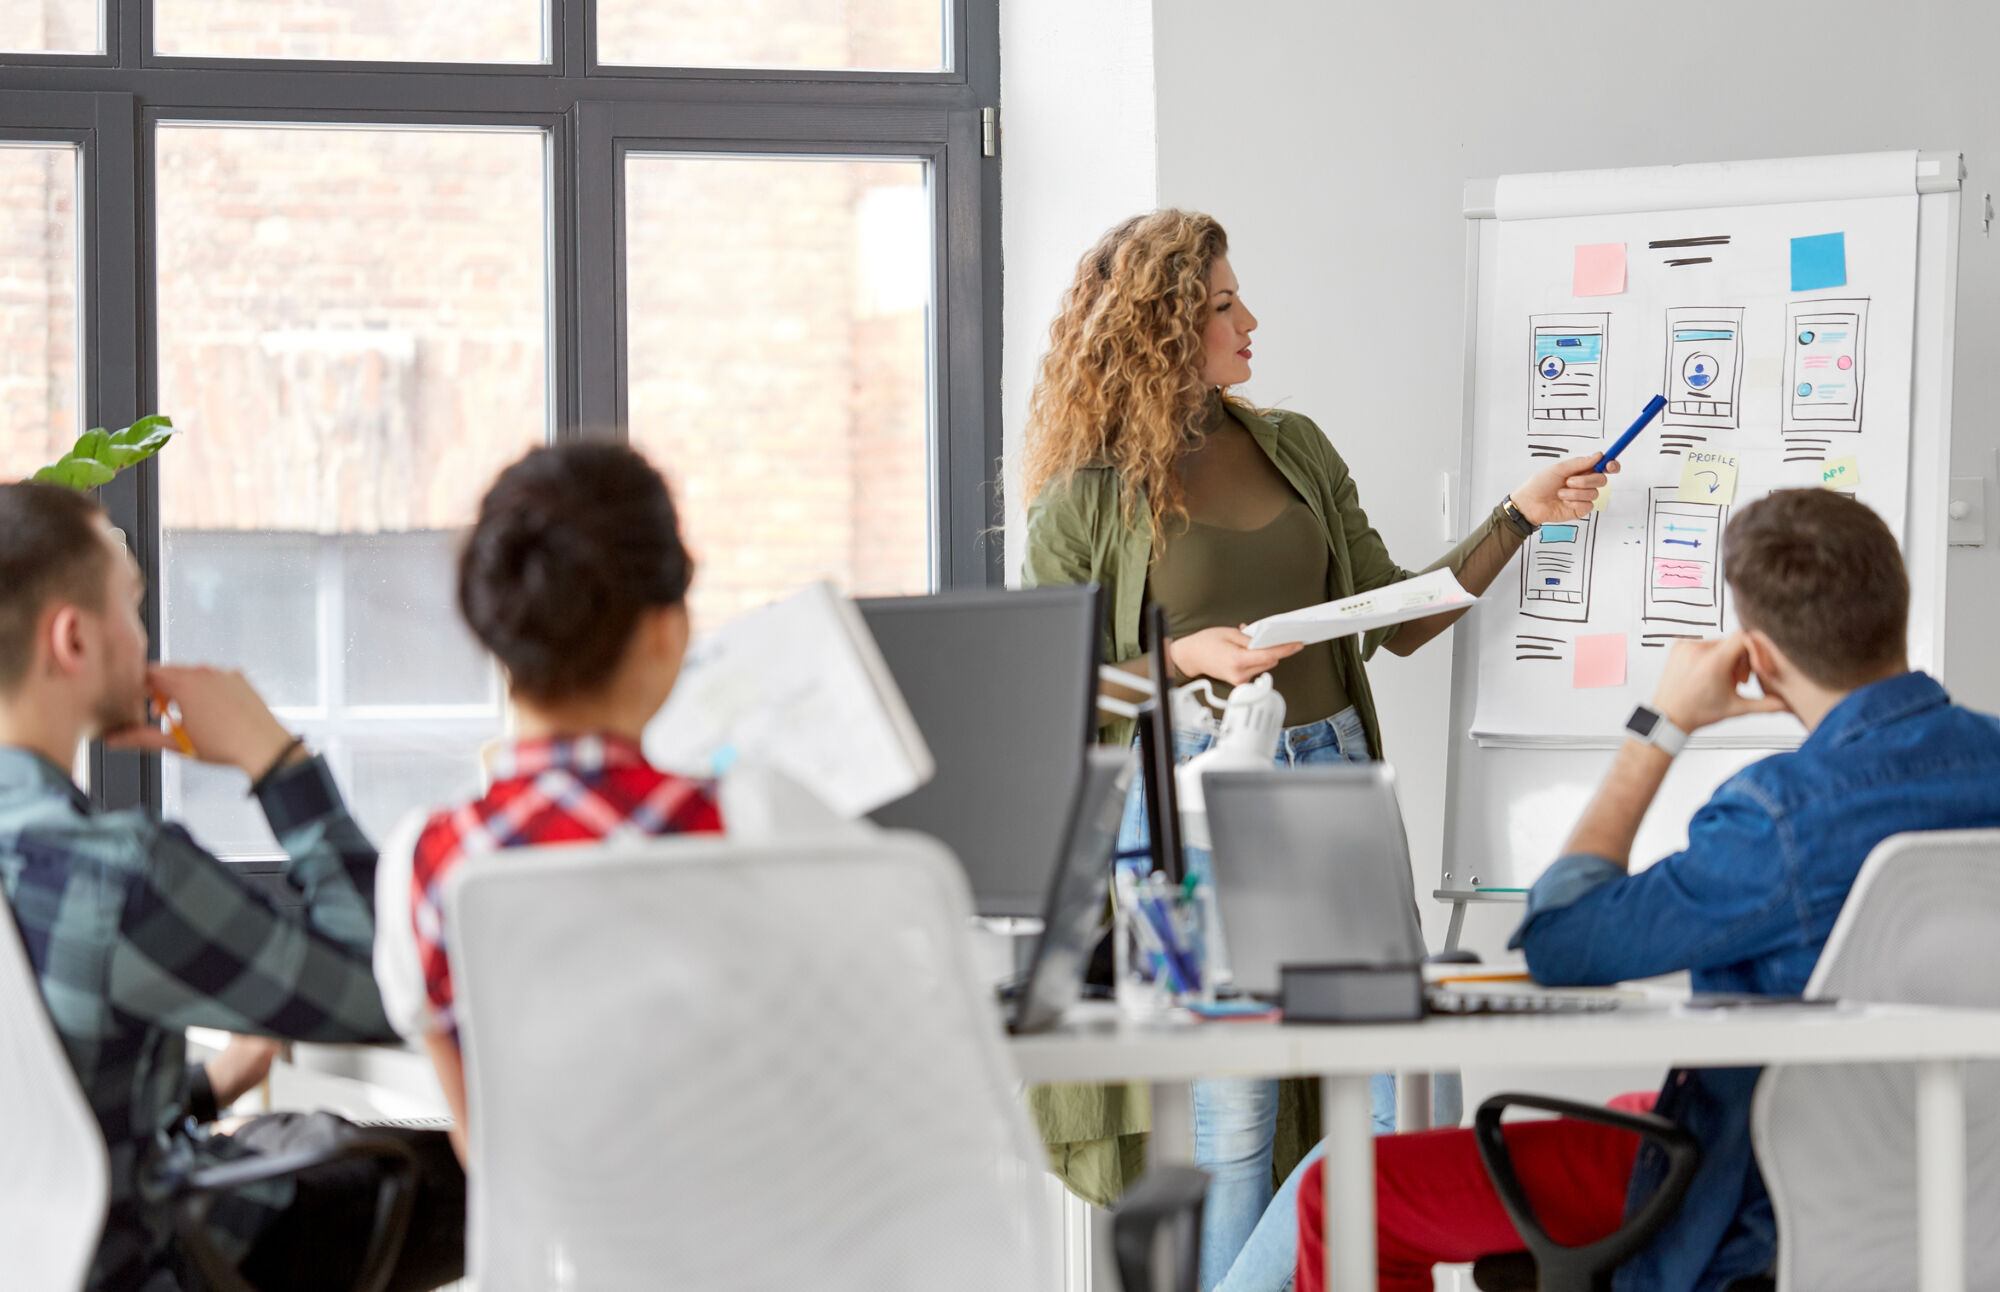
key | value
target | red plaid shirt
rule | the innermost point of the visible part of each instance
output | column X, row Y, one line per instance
column 544, row 791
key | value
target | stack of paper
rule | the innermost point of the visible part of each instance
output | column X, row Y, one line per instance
column 1418, row 598
column 801, row 687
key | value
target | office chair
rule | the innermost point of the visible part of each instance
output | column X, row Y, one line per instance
column 1156, row 1230
column 1837, row 1143
column 54, row 1191
column 698, row 1063
column 1548, row 1266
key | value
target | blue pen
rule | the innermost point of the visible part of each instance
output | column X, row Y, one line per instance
column 1652, row 410
column 1180, row 970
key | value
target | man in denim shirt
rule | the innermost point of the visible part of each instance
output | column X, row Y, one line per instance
column 1746, row 906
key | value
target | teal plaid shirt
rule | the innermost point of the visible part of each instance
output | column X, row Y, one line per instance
column 137, row 933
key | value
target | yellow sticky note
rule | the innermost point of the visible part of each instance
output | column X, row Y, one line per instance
column 1843, row 474
column 1708, row 476
column 1603, row 498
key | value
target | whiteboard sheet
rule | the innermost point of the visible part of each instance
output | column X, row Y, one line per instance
column 1791, row 385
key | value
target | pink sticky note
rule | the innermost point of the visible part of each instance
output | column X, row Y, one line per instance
column 1600, row 660
column 1600, row 270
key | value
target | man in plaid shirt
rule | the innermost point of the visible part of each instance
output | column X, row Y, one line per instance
column 134, row 931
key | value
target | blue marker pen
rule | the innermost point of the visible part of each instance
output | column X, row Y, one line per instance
column 1652, row 410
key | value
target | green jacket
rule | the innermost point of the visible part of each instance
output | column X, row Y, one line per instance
column 1077, row 534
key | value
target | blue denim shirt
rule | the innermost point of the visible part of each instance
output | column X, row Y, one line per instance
column 1747, row 907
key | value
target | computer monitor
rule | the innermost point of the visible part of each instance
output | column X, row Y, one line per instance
column 1156, row 755
column 1073, row 913
column 1311, row 867
column 1003, row 685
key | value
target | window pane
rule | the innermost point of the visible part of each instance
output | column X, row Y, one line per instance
column 353, row 335
column 431, row 31
column 248, row 597
column 392, row 777
column 52, row 26
column 398, row 650
column 779, row 344
column 39, row 388
column 882, row 35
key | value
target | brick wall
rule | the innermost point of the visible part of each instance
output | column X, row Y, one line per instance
column 67, row 26
column 38, row 284
column 352, row 323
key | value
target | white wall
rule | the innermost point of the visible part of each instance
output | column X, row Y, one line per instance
column 1076, row 157
column 1333, row 139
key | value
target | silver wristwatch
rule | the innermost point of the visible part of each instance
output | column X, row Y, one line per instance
column 1650, row 726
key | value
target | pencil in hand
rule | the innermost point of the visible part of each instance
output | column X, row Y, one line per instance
column 174, row 727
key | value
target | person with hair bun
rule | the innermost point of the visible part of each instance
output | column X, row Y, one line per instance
column 1146, row 474
column 575, row 577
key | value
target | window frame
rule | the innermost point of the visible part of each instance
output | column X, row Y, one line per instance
column 112, row 103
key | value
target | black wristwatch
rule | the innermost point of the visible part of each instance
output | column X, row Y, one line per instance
column 1517, row 516
column 1649, row 726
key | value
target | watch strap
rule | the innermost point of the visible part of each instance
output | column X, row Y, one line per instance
column 1516, row 517
column 1649, row 726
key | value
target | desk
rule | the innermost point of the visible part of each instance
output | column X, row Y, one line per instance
column 1095, row 1044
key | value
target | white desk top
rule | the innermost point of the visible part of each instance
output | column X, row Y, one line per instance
column 1096, row 1044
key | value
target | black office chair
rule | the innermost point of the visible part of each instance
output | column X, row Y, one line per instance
column 394, row 1202
column 1548, row 1266
column 1156, row 1230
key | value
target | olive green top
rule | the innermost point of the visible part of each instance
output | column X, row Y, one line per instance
column 1077, row 533
column 1249, row 548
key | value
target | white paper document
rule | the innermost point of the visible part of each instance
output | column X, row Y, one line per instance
column 1418, row 598
column 799, row 686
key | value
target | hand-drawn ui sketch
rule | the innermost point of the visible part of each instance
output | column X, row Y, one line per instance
column 1825, row 359
column 1566, row 394
column 1683, row 574
column 1537, row 646
column 1682, row 244
column 1704, row 373
column 1556, row 571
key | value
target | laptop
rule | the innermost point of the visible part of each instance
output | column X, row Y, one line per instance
column 1073, row 910
column 1312, row 866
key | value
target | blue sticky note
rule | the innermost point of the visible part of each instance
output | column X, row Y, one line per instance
column 1819, row 261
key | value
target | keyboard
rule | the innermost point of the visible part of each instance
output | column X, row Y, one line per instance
column 1445, row 1000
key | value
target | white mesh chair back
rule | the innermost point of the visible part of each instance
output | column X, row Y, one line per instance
column 53, row 1187
column 694, row 1064
column 1837, row 1144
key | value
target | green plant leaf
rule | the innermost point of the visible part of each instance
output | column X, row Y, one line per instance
column 90, row 444
column 76, row 473
column 139, row 441
column 99, row 455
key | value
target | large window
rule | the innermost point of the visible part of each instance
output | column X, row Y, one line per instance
column 367, row 252
column 793, row 296
column 40, row 277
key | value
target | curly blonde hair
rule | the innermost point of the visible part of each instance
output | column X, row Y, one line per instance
column 1121, row 383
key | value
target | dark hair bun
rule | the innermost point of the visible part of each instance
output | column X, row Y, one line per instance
column 572, row 544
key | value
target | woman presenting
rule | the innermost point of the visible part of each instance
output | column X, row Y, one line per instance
column 1147, row 476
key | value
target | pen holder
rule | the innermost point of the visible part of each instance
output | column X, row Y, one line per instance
column 1157, row 947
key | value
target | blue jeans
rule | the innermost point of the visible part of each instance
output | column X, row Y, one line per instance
column 1269, row 1260
column 1235, row 1118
